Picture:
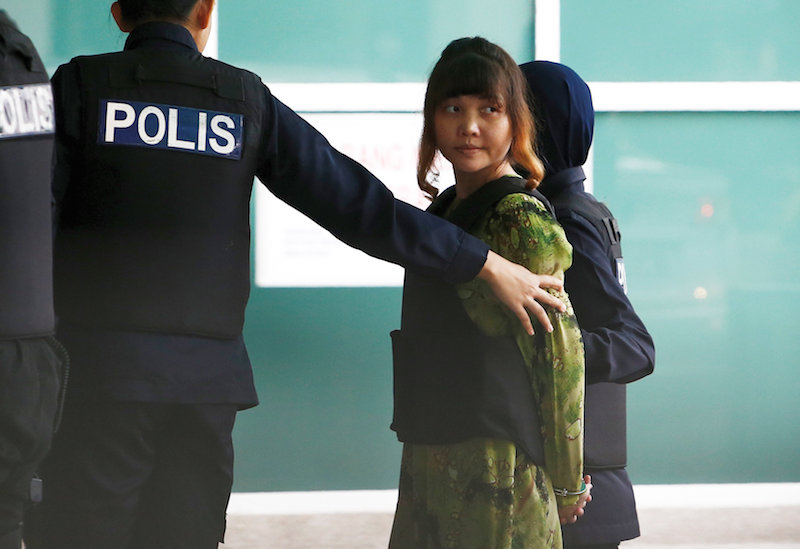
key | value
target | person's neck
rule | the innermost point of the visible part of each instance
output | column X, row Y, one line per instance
column 468, row 184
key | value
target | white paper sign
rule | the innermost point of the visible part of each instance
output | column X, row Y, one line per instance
column 292, row 251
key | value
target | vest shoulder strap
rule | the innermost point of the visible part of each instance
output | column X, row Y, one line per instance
column 596, row 213
column 474, row 206
column 134, row 69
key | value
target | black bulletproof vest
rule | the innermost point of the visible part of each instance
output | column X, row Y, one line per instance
column 452, row 382
column 154, row 230
column 26, row 148
column 605, row 433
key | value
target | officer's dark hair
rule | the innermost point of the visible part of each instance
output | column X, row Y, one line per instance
column 140, row 11
column 475, row 66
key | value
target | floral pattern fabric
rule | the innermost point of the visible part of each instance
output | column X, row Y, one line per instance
column 485, row 493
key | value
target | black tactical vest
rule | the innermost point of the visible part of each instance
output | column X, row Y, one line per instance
column 154, row 232
column 26, row 148
column 452, row 382
column 605, row 433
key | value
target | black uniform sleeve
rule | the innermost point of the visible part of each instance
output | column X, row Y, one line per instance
column 301, row 168
column 617, row 345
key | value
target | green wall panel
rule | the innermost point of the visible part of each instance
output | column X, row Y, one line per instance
column 314, row 41
column 362, row 40
column 322, row 361
column 719, row 293
column 632, row 40
column 61, row 30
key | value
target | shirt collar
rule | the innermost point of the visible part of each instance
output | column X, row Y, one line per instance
column 159, row 34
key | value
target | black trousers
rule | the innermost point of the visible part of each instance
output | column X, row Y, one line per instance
column 131, row 475
column 30, row 383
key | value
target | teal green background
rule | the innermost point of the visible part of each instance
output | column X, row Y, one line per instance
column 722, row 405
column 323, row 370
column 694, row 40
column 362, row 40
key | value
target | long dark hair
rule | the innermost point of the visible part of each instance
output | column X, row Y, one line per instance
column 141, row 11
column 475, row 66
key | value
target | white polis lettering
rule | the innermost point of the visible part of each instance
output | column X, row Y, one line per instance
column 172, row 139
column 621, row 277
column 171, row 127
column 230, row 141
column 202, row 128
column 113, row 123
column 158, row 136
column 26, row 110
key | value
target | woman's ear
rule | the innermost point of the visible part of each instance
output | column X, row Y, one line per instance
column 116, row 13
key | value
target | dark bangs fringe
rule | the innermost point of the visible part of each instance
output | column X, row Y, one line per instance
column 467, row 74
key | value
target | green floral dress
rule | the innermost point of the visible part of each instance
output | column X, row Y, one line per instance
column 485, row 493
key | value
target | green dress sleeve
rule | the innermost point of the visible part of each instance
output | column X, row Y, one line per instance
column 520, row 229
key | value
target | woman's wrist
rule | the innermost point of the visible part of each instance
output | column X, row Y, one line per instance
column 563, row 492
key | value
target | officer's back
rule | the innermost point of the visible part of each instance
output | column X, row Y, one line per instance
column 162, row 188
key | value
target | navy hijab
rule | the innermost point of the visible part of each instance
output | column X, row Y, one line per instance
column 562, row 106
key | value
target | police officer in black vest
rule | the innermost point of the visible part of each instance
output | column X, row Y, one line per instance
column 156, row 150
column 30, row 359
column 618, row 348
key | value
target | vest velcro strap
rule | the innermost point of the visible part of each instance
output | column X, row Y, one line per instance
column 612, row 228
column 226, row 86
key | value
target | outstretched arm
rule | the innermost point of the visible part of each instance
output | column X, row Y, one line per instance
column 521, row 290
column 301, row 168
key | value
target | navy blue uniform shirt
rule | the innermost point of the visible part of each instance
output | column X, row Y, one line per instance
column 617, row 345
column 301, row 168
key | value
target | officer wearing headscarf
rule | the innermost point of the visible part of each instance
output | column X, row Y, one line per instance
column 618, row 348
column 30, row 359
column 156, row 150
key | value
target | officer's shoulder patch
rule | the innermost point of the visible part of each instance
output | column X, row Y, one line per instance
column 170, row 127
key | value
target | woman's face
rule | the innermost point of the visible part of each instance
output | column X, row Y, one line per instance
column 474, row 133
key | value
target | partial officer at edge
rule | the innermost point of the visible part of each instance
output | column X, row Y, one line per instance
column 156, row 150
column 31, row 360
column 618, row 347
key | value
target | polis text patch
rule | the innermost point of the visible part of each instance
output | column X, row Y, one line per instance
column 170, row 127
column 26, row 110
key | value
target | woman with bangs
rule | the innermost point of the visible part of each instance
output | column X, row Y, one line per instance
column 490, row 416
